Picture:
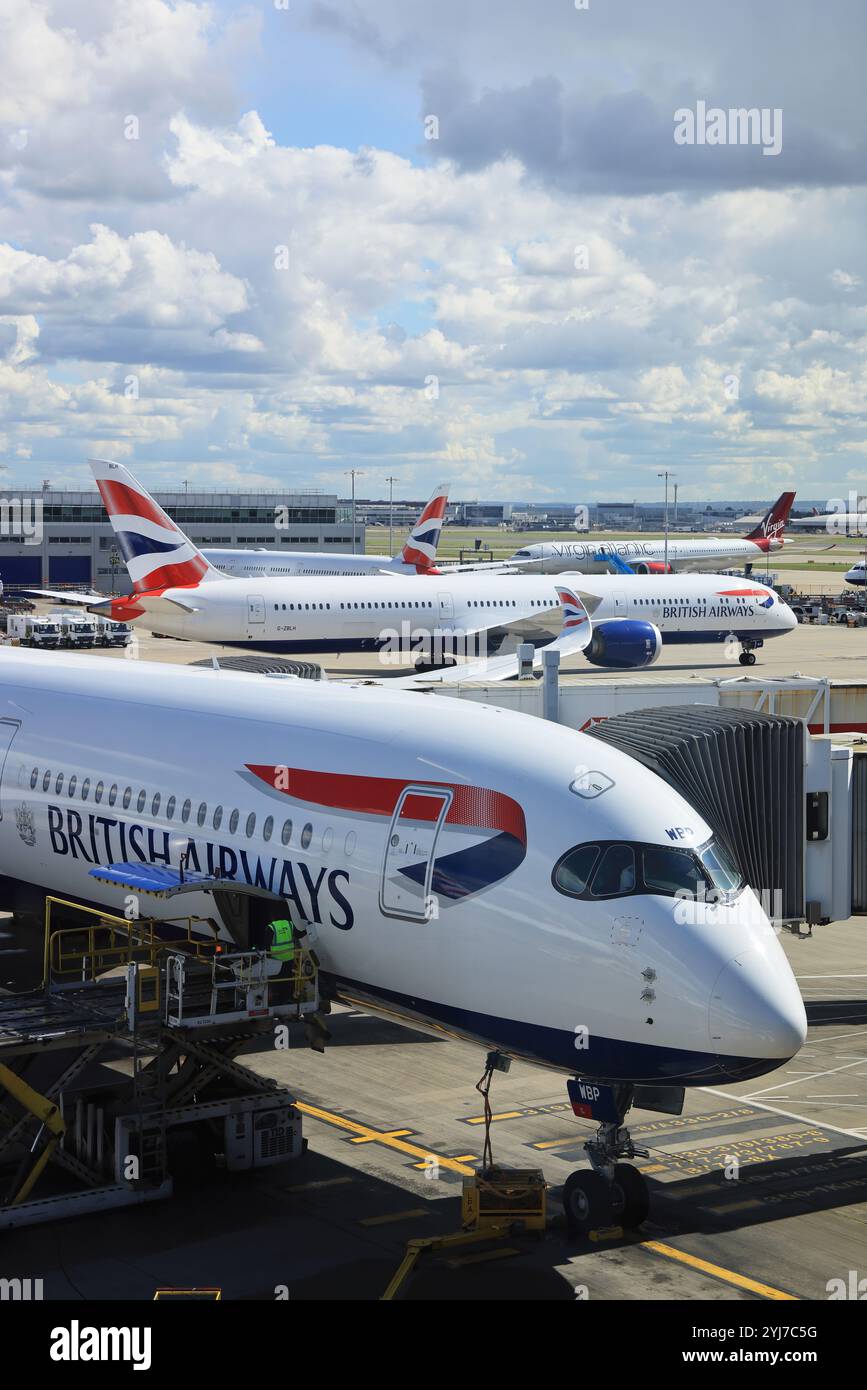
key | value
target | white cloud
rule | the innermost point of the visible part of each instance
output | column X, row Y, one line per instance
column 280, row 308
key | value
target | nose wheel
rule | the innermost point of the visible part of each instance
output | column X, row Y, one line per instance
column 587, row 1201
column 629, row 1196
column 609, row 1192
column 747, row 658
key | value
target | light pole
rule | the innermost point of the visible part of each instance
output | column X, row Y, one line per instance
column 391, row 482
column 666, row 475
column 353, row 473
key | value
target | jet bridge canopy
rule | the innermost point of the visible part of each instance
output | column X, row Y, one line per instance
column 743, row 771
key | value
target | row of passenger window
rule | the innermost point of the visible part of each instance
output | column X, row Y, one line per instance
column 472, row 603
column 301, row 606
column 83, row 791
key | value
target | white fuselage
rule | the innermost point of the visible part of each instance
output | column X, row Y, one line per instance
column 588, row 557
column 833, row 523
column 417, row 844
column 252, row 564
column 348, row 613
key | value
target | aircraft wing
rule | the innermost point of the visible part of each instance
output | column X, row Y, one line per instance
column 574, row 636
column 487, row 567
column 65, row 596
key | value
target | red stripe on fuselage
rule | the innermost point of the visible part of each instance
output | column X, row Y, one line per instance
column 378, row 796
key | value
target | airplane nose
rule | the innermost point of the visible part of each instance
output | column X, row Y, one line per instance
column 788, row 617
column 756, row 1009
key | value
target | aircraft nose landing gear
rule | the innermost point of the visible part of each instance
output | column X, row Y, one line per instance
column 748, row 653
column 609, row 1192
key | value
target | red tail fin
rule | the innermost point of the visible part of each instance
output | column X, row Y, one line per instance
column 773, row 523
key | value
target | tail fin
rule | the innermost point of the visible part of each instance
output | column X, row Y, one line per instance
column 156, row 552
column 773, row 523
column 421, row 543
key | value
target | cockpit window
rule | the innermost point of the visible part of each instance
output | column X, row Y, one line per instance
column 616, row 873
column 672, row 871
column 575, row 868
column 616, row 869
column 724, row 874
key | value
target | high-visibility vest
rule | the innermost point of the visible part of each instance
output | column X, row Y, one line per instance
column 282, row 943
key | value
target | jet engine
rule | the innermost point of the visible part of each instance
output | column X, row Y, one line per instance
column 624, row 644
column 650, row 567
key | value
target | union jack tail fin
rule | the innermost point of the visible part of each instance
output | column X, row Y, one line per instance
column 773, row 523
column 421, row 543
column 155, row 550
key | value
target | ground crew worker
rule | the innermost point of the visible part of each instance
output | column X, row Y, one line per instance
column 282, row 947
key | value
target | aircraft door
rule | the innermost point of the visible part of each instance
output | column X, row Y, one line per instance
column 407, row 866
column 621, row 605
column 255, row 608
column 8, row 730
column 447, row 608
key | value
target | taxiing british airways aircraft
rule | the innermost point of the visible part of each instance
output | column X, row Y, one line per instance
column 495, row 876
column 178, row 592
column 649, row 557
column 418, row 555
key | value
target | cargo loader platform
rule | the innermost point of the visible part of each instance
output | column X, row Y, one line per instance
column 119, row 1073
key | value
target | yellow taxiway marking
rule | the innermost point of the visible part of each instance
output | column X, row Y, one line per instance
column 386, row 1137
column 729, row 1276
column 456, row 1158
column 388, row 1134
column 503, row 1115
column 394, row 1216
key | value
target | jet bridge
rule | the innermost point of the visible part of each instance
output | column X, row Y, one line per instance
column 120, row 1070
column 790, row 806
column 744, row 773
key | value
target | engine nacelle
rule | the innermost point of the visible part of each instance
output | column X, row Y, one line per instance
column 624, row 644
column 651, row 567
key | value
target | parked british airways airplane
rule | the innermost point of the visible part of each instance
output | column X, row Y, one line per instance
column 176, row 590
column 493, row 875
column 648, row 557
column 418, row 555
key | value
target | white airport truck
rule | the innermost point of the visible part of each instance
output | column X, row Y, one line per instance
column 33, row 631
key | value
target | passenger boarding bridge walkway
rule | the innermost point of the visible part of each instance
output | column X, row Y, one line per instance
column 122, row 1068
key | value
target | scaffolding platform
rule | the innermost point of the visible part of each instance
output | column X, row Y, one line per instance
column 120, row 1072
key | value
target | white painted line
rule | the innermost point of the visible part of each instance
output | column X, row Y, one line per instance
column 787, row 1114
column 815, row 1077
column 840, row 1037
column 831, row 977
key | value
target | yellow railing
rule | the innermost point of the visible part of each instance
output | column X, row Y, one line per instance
column 86, row 952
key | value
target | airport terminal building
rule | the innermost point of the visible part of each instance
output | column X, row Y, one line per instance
column 51, row 537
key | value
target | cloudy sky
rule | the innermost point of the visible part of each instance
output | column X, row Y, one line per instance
column 230, row 252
